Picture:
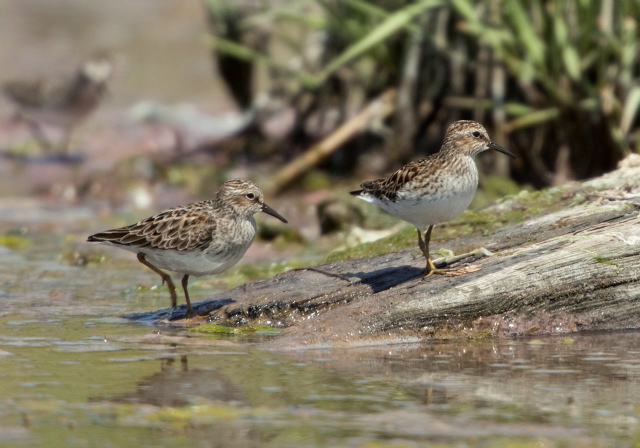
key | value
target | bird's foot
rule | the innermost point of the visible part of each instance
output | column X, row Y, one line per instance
column 450, row 258
column 430, row 272
column 191, row 313
column 176, row 314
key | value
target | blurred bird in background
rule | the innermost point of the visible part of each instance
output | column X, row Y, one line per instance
column 61, row 102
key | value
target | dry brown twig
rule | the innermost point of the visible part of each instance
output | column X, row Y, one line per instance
column 377, row 109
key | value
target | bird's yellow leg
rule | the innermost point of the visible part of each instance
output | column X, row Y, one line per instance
column 424, row 250
column 424, row 246
column 185, row 283
column 165, row 278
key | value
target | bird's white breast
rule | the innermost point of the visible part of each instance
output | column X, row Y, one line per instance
column 441, row 200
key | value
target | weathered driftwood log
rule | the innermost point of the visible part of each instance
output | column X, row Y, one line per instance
column 570, row 270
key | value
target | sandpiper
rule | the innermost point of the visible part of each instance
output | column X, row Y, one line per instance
column 197, row 239
column 63, row 102
column 436, row 189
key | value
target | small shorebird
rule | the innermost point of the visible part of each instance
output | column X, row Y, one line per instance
column 197, row 239
column 436, row 189
column 63, row 103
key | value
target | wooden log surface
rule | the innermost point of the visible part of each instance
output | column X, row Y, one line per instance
column 576, row 269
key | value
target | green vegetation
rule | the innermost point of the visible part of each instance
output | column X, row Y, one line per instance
column 13, row 241
column 403, row 239
column 246, row 272
column 609, row 262
column 555, row 80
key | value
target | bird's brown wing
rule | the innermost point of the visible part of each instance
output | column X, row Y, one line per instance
column 178, row 229
column 39, row 93
column 389, row 186
column 26, row 93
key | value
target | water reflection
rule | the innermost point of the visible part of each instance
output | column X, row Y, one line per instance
column 564, row 390
column 557, row 378
column 175, row 385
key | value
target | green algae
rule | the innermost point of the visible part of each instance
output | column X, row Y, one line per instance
column 405, row 238
column 203, row 413
column 15, row 242
column 494, row 188
column 603, row 260
column 280, row 236
column 29, row 147
column 316, row 180
column 247, row 272
column 481, row 335
column 215, row 329
column 609, row 262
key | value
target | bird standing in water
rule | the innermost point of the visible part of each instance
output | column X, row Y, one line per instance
column 202, row 238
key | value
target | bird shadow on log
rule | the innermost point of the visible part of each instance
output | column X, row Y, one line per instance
column 386, row 278
column 178, row 312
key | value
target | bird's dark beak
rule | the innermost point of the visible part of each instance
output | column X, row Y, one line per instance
column 501, row 149
column 269, row 211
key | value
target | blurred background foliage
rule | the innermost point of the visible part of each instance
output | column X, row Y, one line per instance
column 372, row 84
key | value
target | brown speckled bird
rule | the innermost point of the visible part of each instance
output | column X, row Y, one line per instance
column 436, row 189
column 197, row 239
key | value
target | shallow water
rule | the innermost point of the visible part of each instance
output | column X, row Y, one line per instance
column 75, row 373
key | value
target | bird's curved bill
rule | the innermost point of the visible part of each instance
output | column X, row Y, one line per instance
column 269, row 211
column 501, row 149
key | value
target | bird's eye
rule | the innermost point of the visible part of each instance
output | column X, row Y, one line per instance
column 251, row 196
column 475, row 134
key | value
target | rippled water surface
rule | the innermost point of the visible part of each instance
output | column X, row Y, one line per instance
column 73, row 372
